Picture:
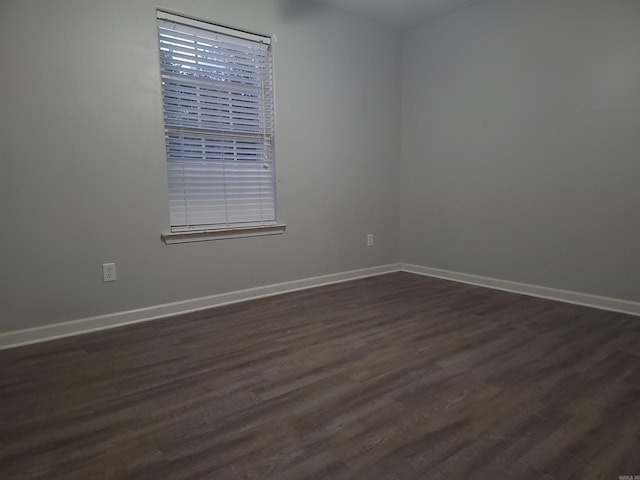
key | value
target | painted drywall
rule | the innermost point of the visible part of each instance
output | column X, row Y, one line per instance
column 519, row 152
column 83, row 170
column 521, row 146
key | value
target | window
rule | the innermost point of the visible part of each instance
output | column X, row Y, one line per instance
column 217, row 90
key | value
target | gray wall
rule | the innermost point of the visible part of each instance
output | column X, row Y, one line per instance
column 519, row 155
column 83, row 171
column 521, row 144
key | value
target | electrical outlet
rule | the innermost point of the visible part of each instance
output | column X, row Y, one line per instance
column 108, row 272
column 370, row 240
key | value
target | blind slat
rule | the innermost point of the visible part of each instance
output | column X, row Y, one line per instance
column 218, row 106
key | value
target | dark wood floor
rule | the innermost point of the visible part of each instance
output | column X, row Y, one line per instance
column 392, row 377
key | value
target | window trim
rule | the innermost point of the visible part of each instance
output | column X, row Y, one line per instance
column 223, row 233
column 177, row 234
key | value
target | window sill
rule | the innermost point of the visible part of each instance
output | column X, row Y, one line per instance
column 222, row 233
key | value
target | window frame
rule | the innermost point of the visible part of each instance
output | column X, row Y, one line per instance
column 227, row 145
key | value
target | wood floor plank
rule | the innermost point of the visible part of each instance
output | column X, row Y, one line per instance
column 395, row 377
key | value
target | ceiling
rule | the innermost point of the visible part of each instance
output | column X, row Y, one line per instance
column 399, row 13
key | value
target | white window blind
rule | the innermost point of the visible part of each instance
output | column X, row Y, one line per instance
column 217, row 89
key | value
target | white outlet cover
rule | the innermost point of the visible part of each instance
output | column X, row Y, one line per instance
column 108, row 272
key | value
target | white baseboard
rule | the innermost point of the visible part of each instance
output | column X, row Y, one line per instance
column 584, row 299
column 103, row 322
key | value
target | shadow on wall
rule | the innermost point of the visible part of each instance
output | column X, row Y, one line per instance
column 294, row 9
